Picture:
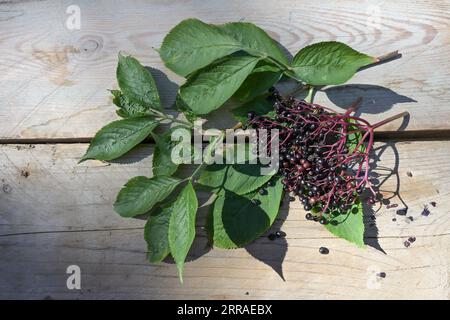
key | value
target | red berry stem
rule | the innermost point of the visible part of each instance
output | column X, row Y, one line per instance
column 385, row 121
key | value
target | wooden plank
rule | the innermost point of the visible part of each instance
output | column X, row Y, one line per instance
column 54, row 80
column 55, row 213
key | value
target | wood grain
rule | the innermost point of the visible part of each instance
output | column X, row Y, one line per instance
column 55, row 213
column 54, row 80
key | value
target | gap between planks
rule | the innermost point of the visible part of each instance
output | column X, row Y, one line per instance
column 418, row 135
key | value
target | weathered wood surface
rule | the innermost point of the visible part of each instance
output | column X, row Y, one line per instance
column 54, row 80
column 55, row 213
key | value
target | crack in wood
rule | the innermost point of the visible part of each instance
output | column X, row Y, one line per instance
column 68, row 231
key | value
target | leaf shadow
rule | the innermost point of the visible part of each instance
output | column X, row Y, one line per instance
column 167, row 88
column 371, row 231
column 249, row 170
column 137, row 154
column 376, row 99
column 271, row 252
column 284, row 49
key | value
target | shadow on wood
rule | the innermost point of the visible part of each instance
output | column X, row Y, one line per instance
column 166, row 87
column 272, row 252
column 376, row 99
column 379, row 175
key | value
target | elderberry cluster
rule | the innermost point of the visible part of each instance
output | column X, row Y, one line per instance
column 315, row 160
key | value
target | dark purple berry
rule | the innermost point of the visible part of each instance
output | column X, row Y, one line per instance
column 272, row 237
column 256, row 202
column 425, row 212
column 280, row 234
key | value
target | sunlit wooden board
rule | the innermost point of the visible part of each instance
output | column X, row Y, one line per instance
column 55, row 213
column 54, row 79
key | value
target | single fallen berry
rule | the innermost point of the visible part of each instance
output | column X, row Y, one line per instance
column 406, row 244
column 412, row 239
column 433, row 203
column 382, row 274
column 324, row 250
column 402, row 212
column 280, row 234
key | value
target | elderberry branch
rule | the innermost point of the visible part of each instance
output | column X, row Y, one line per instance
column 316, row 161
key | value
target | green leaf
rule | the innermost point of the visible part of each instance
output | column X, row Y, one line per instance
column 259, row 105
column 235, row 221
column 231, row 153
column 354, row 138
column 237, row 178
column 137, row 83
column 181, row 106
column 193, row 44
column 263, row 66
column 254, row 40
column 182, row 226
column 348, row 225
column 127, row 108
column 156, row 234
column 140, row 194
column 255, row 84
column 162, row 156
column 119, row 137
column 326, row 63
column 209, row 88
